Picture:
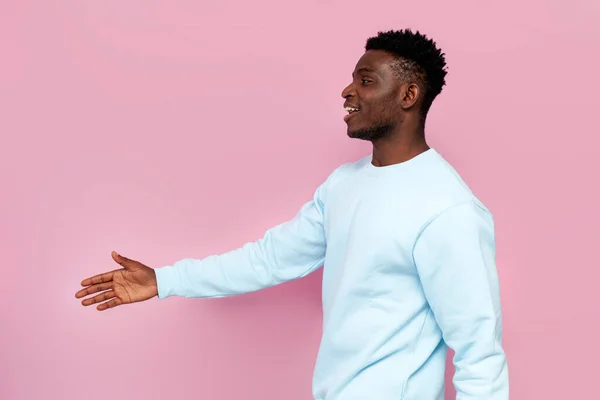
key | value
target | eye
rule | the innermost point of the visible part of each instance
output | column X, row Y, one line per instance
column 365, row 81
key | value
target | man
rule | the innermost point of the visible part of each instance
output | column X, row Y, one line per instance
column 409, row 251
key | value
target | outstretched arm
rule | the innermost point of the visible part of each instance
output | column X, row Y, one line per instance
column 288, row 251
column 455, row 258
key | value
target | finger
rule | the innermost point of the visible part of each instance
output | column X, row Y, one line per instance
column 109, row 294
column 122, row 261
column 101, row 278
column 109, row 304
column 93, row 289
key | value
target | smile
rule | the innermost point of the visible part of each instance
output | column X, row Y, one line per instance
column 351, row 112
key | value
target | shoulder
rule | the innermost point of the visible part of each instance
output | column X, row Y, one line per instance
column 462, row 230
column 469, row 212
column 443, row 188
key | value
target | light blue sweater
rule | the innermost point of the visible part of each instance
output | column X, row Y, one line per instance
column 409, row 269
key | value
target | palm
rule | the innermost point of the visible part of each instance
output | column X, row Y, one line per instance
column 131, row 287
column 133, row 283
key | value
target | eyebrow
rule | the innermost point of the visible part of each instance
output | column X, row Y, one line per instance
column 364, row 69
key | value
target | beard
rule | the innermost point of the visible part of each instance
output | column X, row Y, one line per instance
column 372, row 133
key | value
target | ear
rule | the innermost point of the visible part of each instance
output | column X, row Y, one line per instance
column 409, row 95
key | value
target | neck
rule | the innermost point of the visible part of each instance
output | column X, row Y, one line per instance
column 405, row 143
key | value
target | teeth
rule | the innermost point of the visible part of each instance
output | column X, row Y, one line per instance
column 351, row 109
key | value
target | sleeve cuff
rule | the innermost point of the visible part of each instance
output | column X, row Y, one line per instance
column 168, row 282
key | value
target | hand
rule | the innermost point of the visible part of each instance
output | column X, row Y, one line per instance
column 133, row 283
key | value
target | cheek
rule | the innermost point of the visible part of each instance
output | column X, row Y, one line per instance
column 379, row 106
column 382, row 110
column 389, row 105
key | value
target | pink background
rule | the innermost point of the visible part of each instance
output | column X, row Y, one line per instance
column 176, row 129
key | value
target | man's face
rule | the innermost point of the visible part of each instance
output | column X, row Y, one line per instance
column 375, row 93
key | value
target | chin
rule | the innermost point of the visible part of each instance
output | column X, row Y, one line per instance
column 361, row 137
column 371, row 133
column 357, row 132
column 363, row 134
column 353, row 134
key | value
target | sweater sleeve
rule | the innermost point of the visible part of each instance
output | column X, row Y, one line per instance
column 286, row 252
column 455, row 259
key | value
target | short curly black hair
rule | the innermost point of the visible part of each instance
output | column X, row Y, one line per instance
column 419, row 60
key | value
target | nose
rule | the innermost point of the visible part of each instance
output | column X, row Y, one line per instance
column 348, row 91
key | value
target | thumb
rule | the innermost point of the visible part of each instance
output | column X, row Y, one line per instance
column 122, row 261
